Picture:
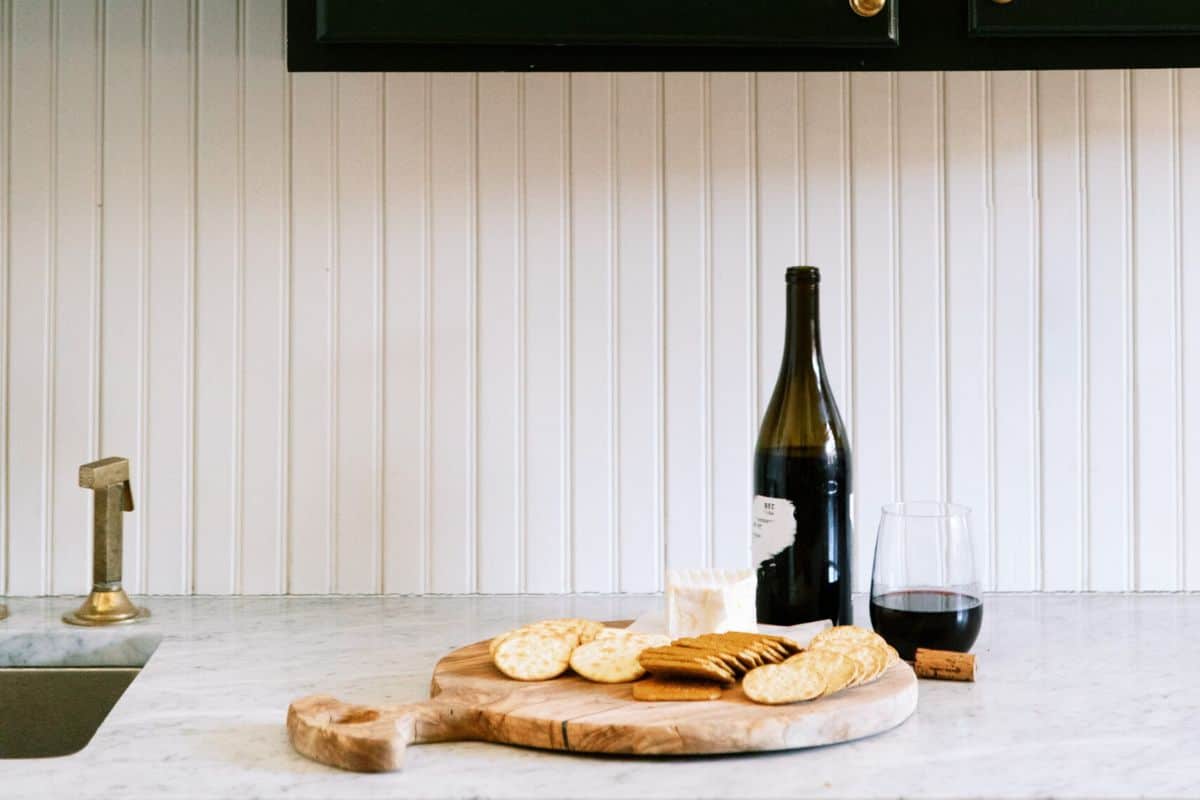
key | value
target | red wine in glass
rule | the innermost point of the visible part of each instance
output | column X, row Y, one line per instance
column 932, row 618
column 924, row 586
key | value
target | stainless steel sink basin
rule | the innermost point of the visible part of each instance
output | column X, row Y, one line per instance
column 54, row 711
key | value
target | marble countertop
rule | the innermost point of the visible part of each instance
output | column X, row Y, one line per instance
column 1078, row 696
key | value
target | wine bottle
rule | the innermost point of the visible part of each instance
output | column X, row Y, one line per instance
column 801, row 529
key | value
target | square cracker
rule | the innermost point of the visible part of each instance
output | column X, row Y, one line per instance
column 667, row 689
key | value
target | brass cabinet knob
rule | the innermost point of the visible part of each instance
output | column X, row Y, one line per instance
column 867, row 8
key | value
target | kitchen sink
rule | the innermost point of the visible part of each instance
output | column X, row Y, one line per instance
column 55, row 711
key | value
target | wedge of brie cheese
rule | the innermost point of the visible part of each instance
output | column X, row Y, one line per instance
column 711, row 601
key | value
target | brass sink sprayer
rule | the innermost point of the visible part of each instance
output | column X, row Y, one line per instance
column 108, row 604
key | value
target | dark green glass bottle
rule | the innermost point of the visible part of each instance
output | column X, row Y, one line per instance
column 801, row 533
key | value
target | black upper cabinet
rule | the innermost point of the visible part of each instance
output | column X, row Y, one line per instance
column 813, row 23
column 1085, row 18
column 475, row 35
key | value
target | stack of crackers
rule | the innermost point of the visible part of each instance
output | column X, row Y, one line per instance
column 721, row 657
column 836, row 659
column 773, row 669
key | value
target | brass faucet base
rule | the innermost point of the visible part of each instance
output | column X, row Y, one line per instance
column 3, row 611
column 110, row 607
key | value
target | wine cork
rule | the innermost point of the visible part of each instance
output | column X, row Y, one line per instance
column 944, row 665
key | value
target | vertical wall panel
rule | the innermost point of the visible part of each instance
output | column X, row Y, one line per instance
column 825, row 224
column 31, row 177
column 219, row 264
column 1107, row 308
column 732, row 368
column 501, row 375
column 5, row 134
column 919, row 283
column 639, row 332
column 499, row 333
column 310, row 445
column 1188, row 233
column 1015, row 345
column 122, row 290
column 780, row 228
column 357, row 527
column 688, row 269
column 454, row 271
column 1061, row 402
column 1155, row 266
column 593, row 530
column 165, row 507
column 407, row 346
column 969, row 266
column 919, row 327
column 544, row 242
column 877, row 463
column 76, row 254
column 263, row 407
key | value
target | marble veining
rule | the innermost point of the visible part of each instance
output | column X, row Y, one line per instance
column 78, row 647
column 1079, row 696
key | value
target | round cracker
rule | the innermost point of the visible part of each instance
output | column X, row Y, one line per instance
column 842, row 648
column 549, row 627
column 650, row 639
column 609, row 660
column 884, row 661
column 620, row 634
column 839, row 669
column 847, row 633
column 554, row 626
column 776, row 684
column 573, row 624
column 533, row 656
column 870, row 657
column 878, row 663
column 530, row 628
column 879, row 651
column 613, row 633
column 496, row 640
column 585, row 630
column 590, row 630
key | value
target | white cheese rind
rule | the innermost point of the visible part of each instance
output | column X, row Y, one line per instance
column 703, row 601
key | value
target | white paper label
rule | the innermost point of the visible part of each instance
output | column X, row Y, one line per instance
column 774, row 527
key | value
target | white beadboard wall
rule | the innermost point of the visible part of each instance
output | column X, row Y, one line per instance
column 513, row 333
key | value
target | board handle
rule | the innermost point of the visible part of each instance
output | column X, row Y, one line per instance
column 369, row 738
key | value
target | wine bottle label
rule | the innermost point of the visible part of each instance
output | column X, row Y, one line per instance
column 774, row 527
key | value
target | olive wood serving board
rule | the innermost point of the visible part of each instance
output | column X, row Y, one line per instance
column 472, row 700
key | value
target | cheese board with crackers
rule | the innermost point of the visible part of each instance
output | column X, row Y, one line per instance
column 583, row 686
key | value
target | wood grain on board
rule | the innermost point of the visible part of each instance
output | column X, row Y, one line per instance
column 472, row 700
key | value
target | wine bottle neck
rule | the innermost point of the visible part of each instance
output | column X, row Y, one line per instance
column 802, row 348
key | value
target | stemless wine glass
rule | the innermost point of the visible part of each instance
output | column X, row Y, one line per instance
column 924, row 587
